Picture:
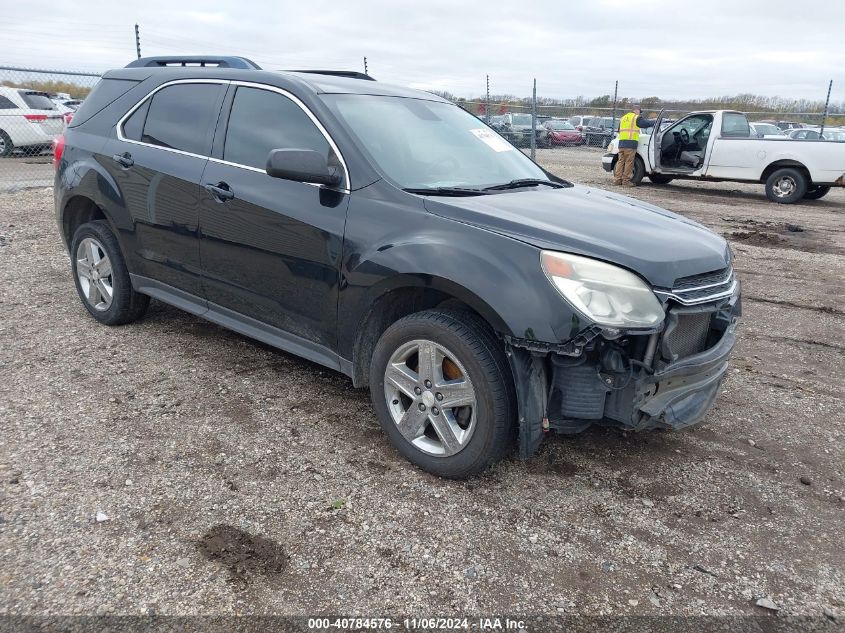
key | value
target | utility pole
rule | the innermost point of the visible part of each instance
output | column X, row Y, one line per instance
column 534, row 122
column 138, row 41
column 365, row 65
column 487, row 104
column 615, row 93
column 826, row 104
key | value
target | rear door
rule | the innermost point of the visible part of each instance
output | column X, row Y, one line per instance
column 271, row 248
column 733, row 152
column 157, row 160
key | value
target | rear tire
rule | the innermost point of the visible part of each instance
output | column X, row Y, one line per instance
column 786, row 186
column 6, row 145
column 816, row 191
column 102, row 280
column 660, row 179
column 466, row 355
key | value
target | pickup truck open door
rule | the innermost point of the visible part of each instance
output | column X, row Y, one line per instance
column 656, row 143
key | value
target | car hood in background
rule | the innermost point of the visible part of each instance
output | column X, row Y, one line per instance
column 658, row 244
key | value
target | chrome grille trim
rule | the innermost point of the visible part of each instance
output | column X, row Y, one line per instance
column 723, row 286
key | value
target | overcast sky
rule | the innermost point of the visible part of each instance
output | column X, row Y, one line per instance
column 653, row 47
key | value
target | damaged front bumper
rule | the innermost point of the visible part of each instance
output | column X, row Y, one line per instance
column 667, row 379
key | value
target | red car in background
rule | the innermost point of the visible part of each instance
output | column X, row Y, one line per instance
column 563, row 133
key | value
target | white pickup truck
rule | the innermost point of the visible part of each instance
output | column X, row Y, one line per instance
column 717, row 145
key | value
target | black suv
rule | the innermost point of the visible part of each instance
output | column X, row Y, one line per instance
column 481, row 298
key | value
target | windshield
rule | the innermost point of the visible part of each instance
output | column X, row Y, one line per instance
column 521, row 119
column 561, row 125
column 427, row 144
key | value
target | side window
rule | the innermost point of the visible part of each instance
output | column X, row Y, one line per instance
column 735, row 125
column 133, row 127
column 261, row 121
column 6, row 104
column 180, row 117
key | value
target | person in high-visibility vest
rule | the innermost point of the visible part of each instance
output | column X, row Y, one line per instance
column 629, row 138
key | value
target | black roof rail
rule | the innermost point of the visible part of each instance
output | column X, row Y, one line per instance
column 349, row 74
column 218, row 61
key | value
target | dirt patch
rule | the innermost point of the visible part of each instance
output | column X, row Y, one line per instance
column 242, row 554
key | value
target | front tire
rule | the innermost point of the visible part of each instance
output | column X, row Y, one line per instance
column 102, row 280
column 6, row 145
column 816, row 191
column 428, row 361
column 639, row 171
column 786, row 186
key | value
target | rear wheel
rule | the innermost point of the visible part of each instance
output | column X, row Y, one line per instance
column 101, row 277
column 6, row 145
column 816, row 191
column 786, row 186
column 660, row 179
column 443, row 392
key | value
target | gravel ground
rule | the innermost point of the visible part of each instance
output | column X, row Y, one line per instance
column 228, row 477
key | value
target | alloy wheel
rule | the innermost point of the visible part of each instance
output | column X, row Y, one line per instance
column 430, row 397
column 94, row 271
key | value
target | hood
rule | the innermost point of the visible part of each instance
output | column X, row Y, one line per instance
column 657, row 244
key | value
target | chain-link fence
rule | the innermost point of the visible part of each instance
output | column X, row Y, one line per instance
column 37, row 104
column 35, row 107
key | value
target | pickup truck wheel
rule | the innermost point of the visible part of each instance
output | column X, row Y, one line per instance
column 786, row 186
column 6, row 145
column 816, row 191
column 443, row 392
column 101, row 277
column 639, row 171
column 660, row 179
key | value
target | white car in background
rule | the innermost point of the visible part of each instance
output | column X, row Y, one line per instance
column 717, row 145
column 767, row 130
column 29, row 120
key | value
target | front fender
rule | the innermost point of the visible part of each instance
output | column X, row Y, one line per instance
column 497, row 276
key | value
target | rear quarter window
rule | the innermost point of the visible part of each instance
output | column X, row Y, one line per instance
column 104, row 94
column 6, row 104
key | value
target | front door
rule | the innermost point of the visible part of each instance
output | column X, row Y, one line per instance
column 271, row 248
column 157, row 161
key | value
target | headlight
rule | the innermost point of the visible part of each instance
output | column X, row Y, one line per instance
column 606, row 294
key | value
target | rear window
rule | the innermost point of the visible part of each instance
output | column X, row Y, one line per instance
column 181, row 117
column 735, row 125
column 105, row 93
column 36, row 100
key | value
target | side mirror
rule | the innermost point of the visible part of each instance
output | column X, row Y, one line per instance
column 302, row 165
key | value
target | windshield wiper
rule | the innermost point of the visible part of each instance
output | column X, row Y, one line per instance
column 445, row 191
column 524, row 182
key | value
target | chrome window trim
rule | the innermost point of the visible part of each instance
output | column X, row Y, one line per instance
column 247, row 84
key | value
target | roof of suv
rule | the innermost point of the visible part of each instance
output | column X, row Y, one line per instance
column 312, row 80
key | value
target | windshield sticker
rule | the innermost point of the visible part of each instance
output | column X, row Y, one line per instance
column 492, row 140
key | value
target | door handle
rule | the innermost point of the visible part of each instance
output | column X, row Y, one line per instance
column 220, row 192
column 124, row 159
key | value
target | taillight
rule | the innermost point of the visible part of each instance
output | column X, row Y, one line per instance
column 35, row 117
column 58, row 149
column 68, row 117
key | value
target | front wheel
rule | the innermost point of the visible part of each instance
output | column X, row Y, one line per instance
column 6, row 145
column 443, row 392
column 786, row 186
column 816, row 191
column 639, row 171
